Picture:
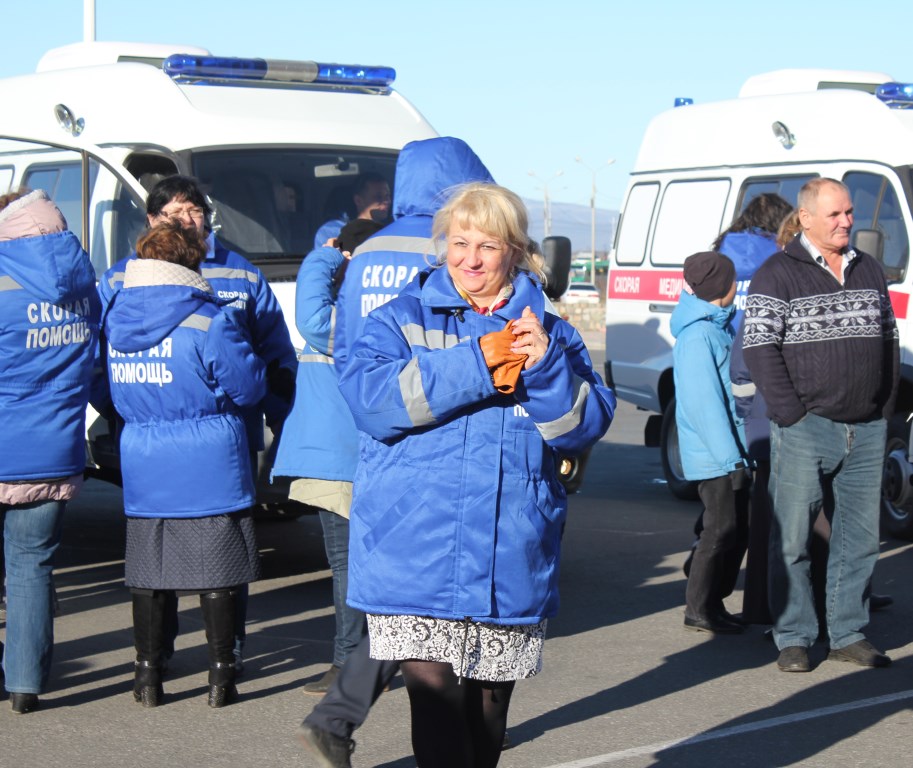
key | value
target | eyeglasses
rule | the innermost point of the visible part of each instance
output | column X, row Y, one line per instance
column 194, row 213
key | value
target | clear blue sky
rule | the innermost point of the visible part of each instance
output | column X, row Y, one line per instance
column 529, row 84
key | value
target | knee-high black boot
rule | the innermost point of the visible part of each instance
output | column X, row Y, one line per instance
column 148, row 636
column 219, row 618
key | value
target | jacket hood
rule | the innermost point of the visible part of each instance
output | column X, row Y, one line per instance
column 748, row 250
column 157, row 297
column 690, row 309
column 52, row 267
column 426, row 170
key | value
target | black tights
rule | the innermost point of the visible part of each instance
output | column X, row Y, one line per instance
column 455, row 723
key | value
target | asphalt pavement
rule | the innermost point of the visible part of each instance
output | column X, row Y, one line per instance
column 623, row 684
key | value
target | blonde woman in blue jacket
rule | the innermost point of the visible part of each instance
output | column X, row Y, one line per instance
column 465, row 388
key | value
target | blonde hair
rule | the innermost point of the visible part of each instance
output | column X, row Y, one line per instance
column 496, row 211
column 789, row 228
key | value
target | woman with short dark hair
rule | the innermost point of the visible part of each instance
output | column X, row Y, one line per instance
column 180, row 372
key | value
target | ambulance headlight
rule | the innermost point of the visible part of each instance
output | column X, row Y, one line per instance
column 183, row 66
column 896, row 94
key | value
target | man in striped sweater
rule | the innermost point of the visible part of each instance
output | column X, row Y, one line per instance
column 820, row 341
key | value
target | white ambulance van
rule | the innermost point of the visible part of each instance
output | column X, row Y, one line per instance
column 275, row 145
column 699, row 166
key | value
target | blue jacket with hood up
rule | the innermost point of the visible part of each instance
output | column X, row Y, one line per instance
column 457, row 510
column 386, row 262
column 180, row 370
column 49, row 314
column 710, row 435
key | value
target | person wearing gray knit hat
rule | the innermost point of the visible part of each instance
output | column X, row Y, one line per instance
column 709, row 274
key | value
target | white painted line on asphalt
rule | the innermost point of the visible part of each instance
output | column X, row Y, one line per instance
column 736, row 730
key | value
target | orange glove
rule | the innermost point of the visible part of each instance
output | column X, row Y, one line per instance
column 504, row 365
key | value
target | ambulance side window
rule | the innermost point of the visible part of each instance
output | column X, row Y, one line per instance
column 876, row 206
column 635, row 225
column 786, row 187
column 63, row 183
column 690, row 218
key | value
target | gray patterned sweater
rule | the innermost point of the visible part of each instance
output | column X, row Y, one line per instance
column 812, row 344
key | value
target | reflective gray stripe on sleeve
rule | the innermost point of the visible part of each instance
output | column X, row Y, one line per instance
column 314, row 357
column 227, row 273
column 402, row 243
column 410, row 387
column 8, row 284
column 115, row 279
column 198, row 322
column 417, row 336
column 744, row 390
column 571, row 420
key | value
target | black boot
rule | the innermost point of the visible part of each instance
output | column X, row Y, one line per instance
column 147, row 683
column 222, row 688
column 219, row 618
column 148, row 635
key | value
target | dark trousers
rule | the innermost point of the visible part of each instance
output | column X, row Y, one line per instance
column 359, row 684
column 718, row 557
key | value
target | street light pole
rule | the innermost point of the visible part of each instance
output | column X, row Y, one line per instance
column 593, row 171
column 546, row 208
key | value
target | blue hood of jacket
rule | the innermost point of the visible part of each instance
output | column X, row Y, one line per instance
column 690, row 309
column 426, row 170
column 139, row 318
column 51, row 268
column 748, row 250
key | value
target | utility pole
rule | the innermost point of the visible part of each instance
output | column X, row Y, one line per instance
column 593, row 171
column 546, row 208
column 88, row 21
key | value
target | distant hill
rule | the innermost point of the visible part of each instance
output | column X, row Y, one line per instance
column 573, row 221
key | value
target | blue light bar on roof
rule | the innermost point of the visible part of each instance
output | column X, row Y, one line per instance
column 186, row 66
column 897, row 94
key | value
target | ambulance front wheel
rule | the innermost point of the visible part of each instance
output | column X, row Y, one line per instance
column 672, row 458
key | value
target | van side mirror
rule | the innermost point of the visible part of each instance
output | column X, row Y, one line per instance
column 556, row 251
column 871, row 241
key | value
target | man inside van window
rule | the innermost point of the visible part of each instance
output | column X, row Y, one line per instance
column 821, row 343
column 371, row 199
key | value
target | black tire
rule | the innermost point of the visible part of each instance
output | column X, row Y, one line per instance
column 672, row 460
column 896, row 499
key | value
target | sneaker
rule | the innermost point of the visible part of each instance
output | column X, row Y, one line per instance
column 862, row 653
column 330, row 751
column 321, row 686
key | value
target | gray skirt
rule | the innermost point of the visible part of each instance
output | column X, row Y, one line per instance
column 192, row 554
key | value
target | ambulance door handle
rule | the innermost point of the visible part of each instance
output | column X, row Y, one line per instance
column 662, row 308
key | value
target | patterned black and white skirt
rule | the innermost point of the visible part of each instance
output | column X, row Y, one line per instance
column 491, row 652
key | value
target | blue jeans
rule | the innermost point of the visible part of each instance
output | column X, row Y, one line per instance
column 350, row 622
column 31, row 535
column 805, row 457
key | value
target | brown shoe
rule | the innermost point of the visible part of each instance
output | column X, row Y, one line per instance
column 322, row 685
column 794, row 658
column 862, row 652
